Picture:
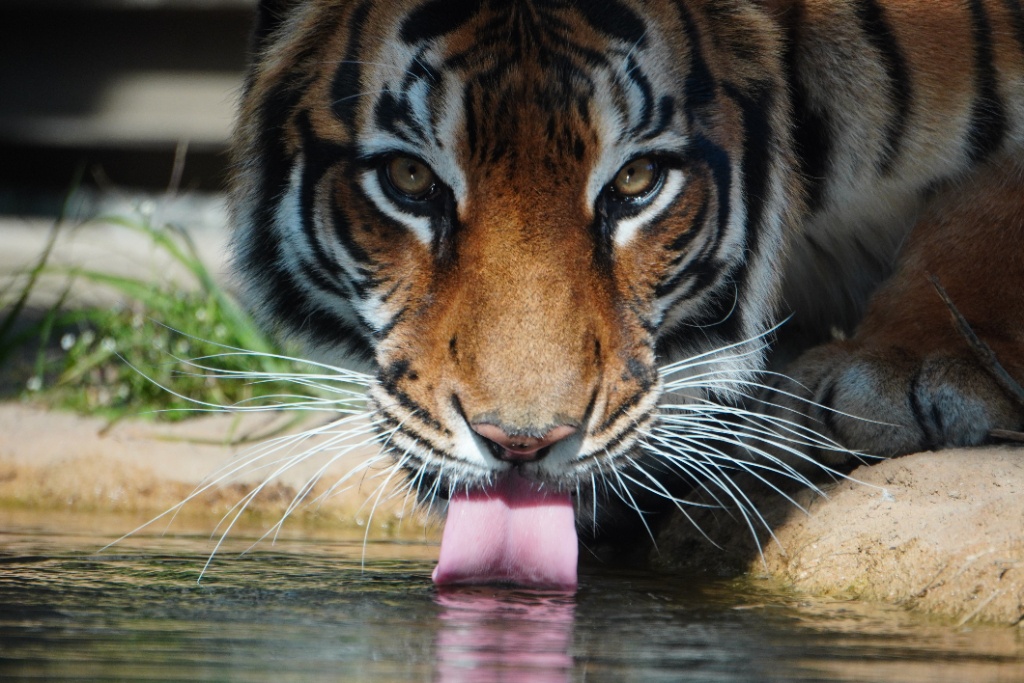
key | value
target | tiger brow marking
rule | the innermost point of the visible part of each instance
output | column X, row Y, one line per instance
column 347, row 77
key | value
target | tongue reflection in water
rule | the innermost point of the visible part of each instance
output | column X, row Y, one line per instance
column 488, row 635
column 514, row 532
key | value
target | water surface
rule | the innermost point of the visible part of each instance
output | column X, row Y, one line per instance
column 330, row 608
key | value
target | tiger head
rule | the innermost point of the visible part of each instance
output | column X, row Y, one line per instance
column 514, row 213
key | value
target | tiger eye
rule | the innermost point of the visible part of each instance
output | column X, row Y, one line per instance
column 411, row 177
column 636, row 177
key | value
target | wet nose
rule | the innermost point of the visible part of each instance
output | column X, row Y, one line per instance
column 517, row 447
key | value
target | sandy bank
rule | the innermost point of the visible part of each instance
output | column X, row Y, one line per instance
column 941, row 532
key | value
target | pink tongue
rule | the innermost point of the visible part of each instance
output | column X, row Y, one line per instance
column 511, row 533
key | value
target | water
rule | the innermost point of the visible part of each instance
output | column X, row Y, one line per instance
column 311, row 609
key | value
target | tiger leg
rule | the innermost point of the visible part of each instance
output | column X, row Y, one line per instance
column 908, row 380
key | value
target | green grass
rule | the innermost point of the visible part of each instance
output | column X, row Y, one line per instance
column 128, row 360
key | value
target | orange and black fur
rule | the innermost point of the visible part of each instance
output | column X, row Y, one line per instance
column 550, row 228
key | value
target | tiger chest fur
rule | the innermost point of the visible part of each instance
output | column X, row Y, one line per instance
column 562, row 236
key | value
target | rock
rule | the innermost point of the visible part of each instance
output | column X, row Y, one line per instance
column 941, row 532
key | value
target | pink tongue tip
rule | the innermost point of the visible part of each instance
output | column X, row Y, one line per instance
column 513, row 532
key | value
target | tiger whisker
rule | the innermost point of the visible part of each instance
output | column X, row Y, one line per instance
column 712, row 474
column 622, row 491
column 236, row 511
column 723, row 460
column 358, row 95
column 705, row 383
column 315, row 478
column 225, row 473
column 245, row 462
column 679, row 503
column 711, row 424
column 714, row 357
column 748, row 425
column 709, row 468
column 376, row 495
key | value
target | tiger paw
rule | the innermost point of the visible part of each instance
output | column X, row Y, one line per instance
column 888, row 401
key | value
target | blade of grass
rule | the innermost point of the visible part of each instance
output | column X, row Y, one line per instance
column 7, row 346
column 32, row 277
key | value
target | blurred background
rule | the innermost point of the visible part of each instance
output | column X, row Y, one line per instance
column 115, row 117
column 115, row 88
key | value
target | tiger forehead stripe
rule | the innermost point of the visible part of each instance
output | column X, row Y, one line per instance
column 418, row 107
column 541, row 33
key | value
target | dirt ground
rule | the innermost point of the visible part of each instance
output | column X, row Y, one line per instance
column 940, row 532
column 56, row 461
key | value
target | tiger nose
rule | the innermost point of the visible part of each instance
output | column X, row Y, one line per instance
column 517, row 447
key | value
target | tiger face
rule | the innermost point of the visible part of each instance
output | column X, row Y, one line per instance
column 513, row 213
column 558, row 233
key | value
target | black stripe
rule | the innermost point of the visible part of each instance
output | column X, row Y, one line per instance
column 386, row 296
column 988, row 115
column 812, row 134
column 679, row 244
column 313, row 274
column 719, row 163
column 625, row 407
column 665, row 110
column 721, row 315
column 394, row 114
column 504, row 39
column 417, row 412
column 389, row 378
column 445, row 227
column 421, row 70
column 758, row 140
column 395, row 319
column 347, row 86
column 699, row 88
column 401, row 427
column 929, row 440
column 1016, row 11
column 637, row 77
column 614, row 19
column 275, row 165
column 293, row 312
column 684, row 238
column 437, row 18
column 716, row 328
column 319, row 157
column 343, row 233
column 879, row 34
column 700, row 274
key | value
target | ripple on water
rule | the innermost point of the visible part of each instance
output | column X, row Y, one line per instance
column 321, row 609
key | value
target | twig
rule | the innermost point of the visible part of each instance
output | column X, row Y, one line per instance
column 1007, row 435
column 982, row 351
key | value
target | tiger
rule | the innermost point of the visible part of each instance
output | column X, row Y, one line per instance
column 594, row 254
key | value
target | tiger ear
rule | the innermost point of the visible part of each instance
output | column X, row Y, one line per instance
column 270, row 14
